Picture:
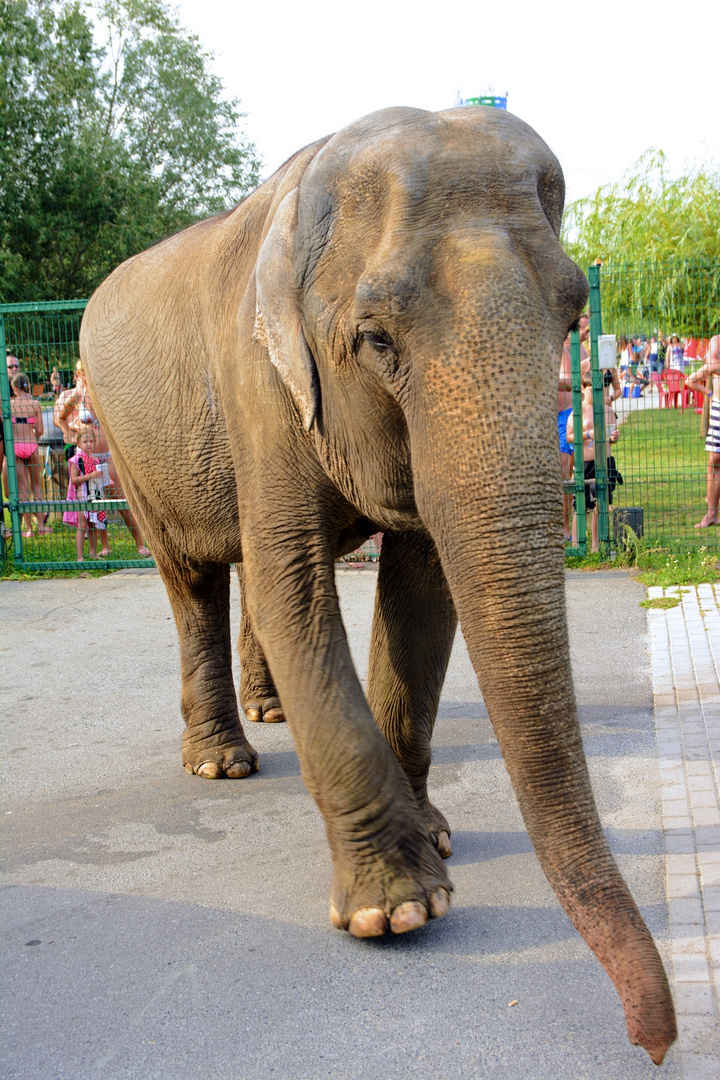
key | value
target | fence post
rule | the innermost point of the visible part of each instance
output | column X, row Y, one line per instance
column 578, row 462
column 13, row 498
column 601, row 479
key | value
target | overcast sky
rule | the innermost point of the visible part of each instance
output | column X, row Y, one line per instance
column 600, row 82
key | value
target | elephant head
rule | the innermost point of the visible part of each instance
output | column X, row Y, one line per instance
column 414, row 298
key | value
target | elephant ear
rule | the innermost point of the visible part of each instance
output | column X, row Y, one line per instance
column 278, row 324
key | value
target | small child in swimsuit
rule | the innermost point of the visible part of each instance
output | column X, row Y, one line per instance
column 84, row 470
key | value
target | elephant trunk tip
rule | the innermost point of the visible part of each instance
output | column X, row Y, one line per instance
column 654, row 1027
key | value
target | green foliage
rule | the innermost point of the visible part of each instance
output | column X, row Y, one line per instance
column 647, row 217
column 669, row 297
column 106, row 148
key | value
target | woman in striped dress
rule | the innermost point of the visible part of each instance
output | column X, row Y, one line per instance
column 699, row 381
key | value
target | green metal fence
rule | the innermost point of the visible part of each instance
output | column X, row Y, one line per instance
column 44, row 336
column 660, row 453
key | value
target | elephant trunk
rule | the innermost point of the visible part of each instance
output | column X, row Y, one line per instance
column 487, row 486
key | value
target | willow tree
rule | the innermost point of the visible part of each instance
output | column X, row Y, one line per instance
column 659, row 242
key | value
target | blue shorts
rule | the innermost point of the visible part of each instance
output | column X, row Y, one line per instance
column 565, row 446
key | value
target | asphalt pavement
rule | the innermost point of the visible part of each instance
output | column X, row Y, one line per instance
column 159, row 926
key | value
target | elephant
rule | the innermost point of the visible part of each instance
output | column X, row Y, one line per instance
column 370, row 342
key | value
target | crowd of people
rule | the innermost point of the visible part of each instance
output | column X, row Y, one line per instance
column 91, row 473
column 642, row 357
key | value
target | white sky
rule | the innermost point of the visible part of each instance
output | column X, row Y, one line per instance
column 600, row 82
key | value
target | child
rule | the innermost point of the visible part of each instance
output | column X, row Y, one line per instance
column 612, row 434
column 84, row 470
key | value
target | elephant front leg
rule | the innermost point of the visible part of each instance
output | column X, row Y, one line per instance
column 258, row 697
column 413, row 631
column 214, row 745
column 388, row 875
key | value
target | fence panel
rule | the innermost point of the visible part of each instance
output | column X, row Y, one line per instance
column 661, row 451
column 38, row 515
column 660, row 454
column 44, row 337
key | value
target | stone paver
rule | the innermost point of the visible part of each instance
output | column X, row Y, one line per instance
column 685, row 644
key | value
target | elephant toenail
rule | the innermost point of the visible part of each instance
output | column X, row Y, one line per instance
column 408, row 916
column 210, row 770
column 368, row 922
column 439, row 903
column 443, row 845
column 238, row 769
column 274, row 716
column 254, row 713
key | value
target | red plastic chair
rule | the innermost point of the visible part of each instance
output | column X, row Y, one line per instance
column 673, row 387
column 656, row 383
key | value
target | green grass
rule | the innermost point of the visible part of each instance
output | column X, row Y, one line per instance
column 59, row 546
column 661, row 455
column 653, row 564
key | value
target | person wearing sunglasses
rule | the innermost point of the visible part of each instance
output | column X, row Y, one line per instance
column 13, row 369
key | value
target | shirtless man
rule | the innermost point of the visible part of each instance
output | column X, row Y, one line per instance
column 75, row 406
column 565, row 409
column 710, row 373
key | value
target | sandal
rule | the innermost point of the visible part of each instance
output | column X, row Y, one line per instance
column 28, row 534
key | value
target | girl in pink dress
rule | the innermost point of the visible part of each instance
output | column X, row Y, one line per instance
column 85, row 469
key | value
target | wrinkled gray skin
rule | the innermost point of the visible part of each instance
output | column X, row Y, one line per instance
column 322, row 363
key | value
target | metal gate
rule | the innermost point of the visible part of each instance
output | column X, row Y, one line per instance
column 44, row 338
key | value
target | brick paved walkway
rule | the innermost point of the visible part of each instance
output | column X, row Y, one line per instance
column 685, row 643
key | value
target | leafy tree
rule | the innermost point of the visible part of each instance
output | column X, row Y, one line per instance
column 647, row 216
column 105, row 148
column 659, row 242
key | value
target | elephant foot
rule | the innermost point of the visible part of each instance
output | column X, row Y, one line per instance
column 268, row 711
column 399, row 904
column 231, row 760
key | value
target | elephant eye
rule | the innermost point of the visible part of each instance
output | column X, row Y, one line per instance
column 378, row 341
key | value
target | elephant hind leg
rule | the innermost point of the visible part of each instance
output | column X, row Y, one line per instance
column 413, row 631
column 214, row 744
column 258, row 697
